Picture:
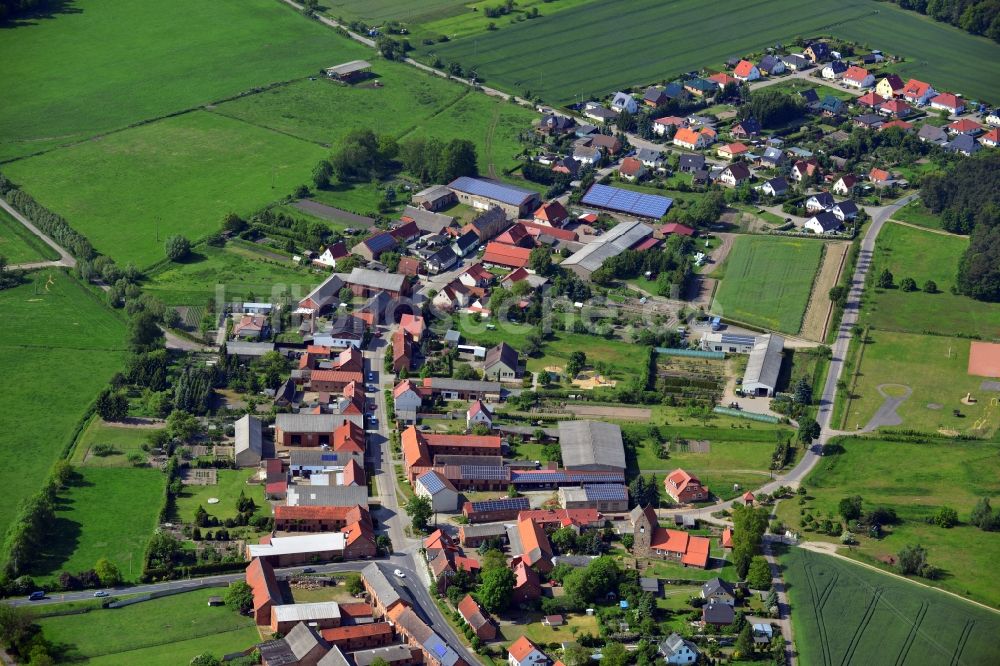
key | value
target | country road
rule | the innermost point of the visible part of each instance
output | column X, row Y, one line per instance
column 65, row 260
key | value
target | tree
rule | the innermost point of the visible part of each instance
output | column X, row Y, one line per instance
column 930, row 287
column 749, row 525
column 912, row 560
column 946, row 517
column 628, row 540
column 759, row 574
column 564, row 539
column 744, row 643
column 577, row 360
column 576, row 655
column 355, row 585
column 205, row 659
column 593, row 582
column 458, row 159
column 983, row 516
column 908, row 284
column 850, row 507
column 532, row 344
column 885, row 279
column 495, row 588
column 239, row 597
column 615, row 654
column 803, row 392
column 321, row 174
column 419, row 509
column 808, row 430
column 177, row 247
column 144, row 334
column 112, row 405
column 107, row 572
column 15, row 625
column 540, row 260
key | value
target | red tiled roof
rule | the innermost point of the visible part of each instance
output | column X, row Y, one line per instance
column 630, row 166
column 722, row 79
column 539, row 229
column 260, row 577
column 901, row 124
column 521, row 648
column 346, row 633
column 506, row 255
column 855, row 73
column 915, row 88
column 878, row 175
column 356, row 609
column 743, row 68
column 676, row 228
column 697, row 552
column 964, row 125
column 457, row 441
column 344, row 376
column 580, row 517
column 647, row 244
column 948, row 99
column 282, row 512
column 552, row 211
column 871, row 98
column 513, row 235
column 727, row 538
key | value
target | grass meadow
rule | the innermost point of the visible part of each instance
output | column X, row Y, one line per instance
column 18, row 245
column 915, row 479
column 59, row 345
column 924, row 255
column 227, row 491
column 107, row 512
column 668, row 38
column 127, row 192
column 103, row 65
column 918, row 214
column 122, row 440
column 843, row 613
column 768, row 281
column 170, row 630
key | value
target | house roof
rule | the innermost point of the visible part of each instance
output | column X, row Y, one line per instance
column 426, row 220
column 471, row 611
column 489, row 189
column 878, row 175
column 747, row 126
column 718, row 613
column 871, row 98
column 260, row 577
column 778, row 184
column 744, row 68
column 551, row 211
column 764, row 363
column 680, row 480
column 722, row 79
column 739, row 171
column 915, row 88
column 382, row 588
column 522, row 647
column 856, row 74
column 824, row 199
column 630, row 166
column 249, row 434
column 676, row 228
column 736, row 148
column 895, row 82
column 376, row 279
column 380, row 242
column 506, row 255
column 715, row 586
column 591, row 443
column 964, row 125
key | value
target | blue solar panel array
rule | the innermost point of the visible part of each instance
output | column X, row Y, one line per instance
column 606, row 492
column 381, row 242
column 651, row 206
column 432, row 482
column 330, row 457
column 489, row 473
column 504, row 504
column 508, row 194
column 566, row 476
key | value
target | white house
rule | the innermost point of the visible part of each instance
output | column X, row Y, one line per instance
column 439, row 490
column 822, row 223
column 406, row 401
column 845, row 184
column 587, row 154
column 834, row 70
column 692, row 139
column 953, row 104
column 332, row 254
column 858, row 77
column 677, row 651
column 523, row 652
column 746, row 71
column 993, row 118
column 734, row 175
column 845, row 210
column 478, row 413
column 775, row 187
column 819, row 201
column 623, row 102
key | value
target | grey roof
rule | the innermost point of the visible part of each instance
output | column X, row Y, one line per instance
column 249, row 435
column 795, row 61
column 380, row 585
column 847, row 207
column 316, row 458
column 767, row 62
column 427, row 220
column 327, row 496
column 302, row 639
column 933, row 134
column 649, row 584
column 827, row 221
column 591, row 443
column 502, row 353
column 433, row 644
column 622, row 237
column 469, row 239
column 764, row 362
column 334, row 658
column 720, row 613
column 964, row 143
column 322, row 423
column 451, row 335
column 390, row 653
column 692, row 161
column 779, row 184
column 645, row 155
column 717, row 586
column 277, row 653
column 376, row 279
column 349, row 67
column 489, row 189
column 246, row 348
column 824, row 199
column 484, row 530
column 448, row 384
column 326, row 292
column 443, row 258
column 673, row 644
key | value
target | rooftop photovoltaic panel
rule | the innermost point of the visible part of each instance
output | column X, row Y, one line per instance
column 332, row 457
column 733, row 339
column 508, row 194
column 606, row 492
column 484, row 472
column 503, row 504
column 432, row 482
column 639, row 204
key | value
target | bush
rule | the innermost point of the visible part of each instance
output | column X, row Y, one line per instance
column 177, row 247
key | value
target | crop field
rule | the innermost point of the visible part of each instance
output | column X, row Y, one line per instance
column 18, row 245
column 843, row 613
column 129, row 191
column 238, row 271
column 667, row 39
column 108, row 513
column 914, row 479
column 924, row 255
column 103, row 65
column 768, row 282
column 59, row 345
column 936, row 369
column 170, row 630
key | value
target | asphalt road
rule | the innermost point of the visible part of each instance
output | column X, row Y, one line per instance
column 65, row 258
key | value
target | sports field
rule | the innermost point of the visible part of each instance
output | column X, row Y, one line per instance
column 666, row 39
column 106, row 64
column 768, row 281
column 59, row 345
column 129, row 191
column 108, row 512
column 843, row 613
column 924, row 255
column 18, row 245
column 170, row 630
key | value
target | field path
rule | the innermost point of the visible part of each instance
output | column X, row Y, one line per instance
column 817, row 318
column 65, row 258
column 940, row 232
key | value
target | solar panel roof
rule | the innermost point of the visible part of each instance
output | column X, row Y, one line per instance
column 432, row 482
column 606, row 492
column 503, row 504
column 492, row 473
column 508, row 194
column 627, row 201
column 329, row 456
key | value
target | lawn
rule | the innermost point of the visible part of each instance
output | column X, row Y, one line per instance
column 194, row 169
column 59, row 345
column 103, row 65
column 123, row 440
column 231, row 482
column 924, row 255
column 239, row 271
column 843, row 613
column 670, row 36
column 161, row 631
column 936, row 368
column 530, row 625
column 106, row 512
column 915, row 479
column 768, row 281
column 917, row 213
column 18, row 245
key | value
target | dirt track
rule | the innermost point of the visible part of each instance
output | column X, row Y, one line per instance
column 817, row 315
column 636, row 413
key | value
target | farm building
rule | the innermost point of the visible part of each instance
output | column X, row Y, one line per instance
column 485, row 194
column 364, row 282
column 248, row 447
column 321, row 615
column 426, row 220
column 487, row 511
column 764, row 365
column 648, row 206
column 288, row 551
column 730, row 343
column 349, row 71
column 471, row 536
column 605, row 497
column 591, row 256
column 434, row 198
column 591, row 445
column 316, row 495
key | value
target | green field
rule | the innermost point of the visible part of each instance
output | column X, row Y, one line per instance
column 240, row 271
column 227, row 491
column 58, row 347
column 918, row 214
column 170, row 630
column 671, row 39
column 915, row 480
column 845, row 614
column 18, row 245
column 108, row 513
column 768, row 282
column 129, row 191
column 104, row 65
column 936, row 368
column 123, row 440
column 924, row 255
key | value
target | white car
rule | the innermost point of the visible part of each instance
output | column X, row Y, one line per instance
column 398, row 574
column 101, row 593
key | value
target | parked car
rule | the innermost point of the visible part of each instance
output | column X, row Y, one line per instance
column 398, row 574
column 308, row 570
column 101, row 593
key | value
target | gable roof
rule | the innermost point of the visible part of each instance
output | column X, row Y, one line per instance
column 915, row 88
column 490, row 189
column 591, row 443
column 744, row 68
column 501, row 353
column 522, row 647
column 506, row 255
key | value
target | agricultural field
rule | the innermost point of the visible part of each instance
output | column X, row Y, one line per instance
column 768, row 282
column 935, row 368
column 122, row 440
column 670, row 37
column 63, row 345
column 102, row 66
column 843, row 613
column 914, row 479
column 18, row 245
column 108, row 513
column 925, row 255
column 214, row 164
column 170, row 630
column 240, row 271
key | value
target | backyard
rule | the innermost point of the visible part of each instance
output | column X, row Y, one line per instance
column 227, row 491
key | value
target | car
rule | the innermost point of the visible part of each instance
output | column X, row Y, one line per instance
column 37, row 595
column 371, row 376
column 308, row 570
column 398, row 573
column 101, row 593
